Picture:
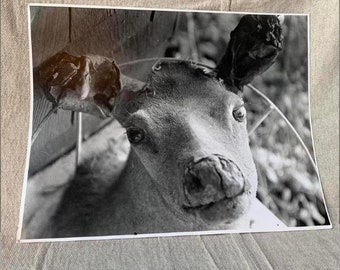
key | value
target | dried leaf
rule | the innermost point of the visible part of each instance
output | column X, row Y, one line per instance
column 87, row 83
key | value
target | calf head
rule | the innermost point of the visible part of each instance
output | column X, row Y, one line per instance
column 189, row 132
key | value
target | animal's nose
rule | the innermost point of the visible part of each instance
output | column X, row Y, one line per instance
column 212, row 179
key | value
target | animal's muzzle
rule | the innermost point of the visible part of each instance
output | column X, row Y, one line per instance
column 212, row 179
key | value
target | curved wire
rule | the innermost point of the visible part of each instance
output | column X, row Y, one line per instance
column 143, row 60
column 272, row 105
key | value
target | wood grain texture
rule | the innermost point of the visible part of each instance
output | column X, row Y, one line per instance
column 50, row 33
column 113, row 33
column 292, row 250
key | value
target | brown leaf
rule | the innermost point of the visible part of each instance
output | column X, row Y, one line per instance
column 87, row 83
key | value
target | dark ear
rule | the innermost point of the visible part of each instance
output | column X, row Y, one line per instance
column 254, row 45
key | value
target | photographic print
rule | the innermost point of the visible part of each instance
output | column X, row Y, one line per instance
column 148, row 123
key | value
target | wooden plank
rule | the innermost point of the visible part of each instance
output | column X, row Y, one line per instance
column 84, row 20
column 49, row 33
column 58, row 136
column 122, row 35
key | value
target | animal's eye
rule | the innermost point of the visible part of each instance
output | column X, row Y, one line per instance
column 240, row 114
column 135, row 135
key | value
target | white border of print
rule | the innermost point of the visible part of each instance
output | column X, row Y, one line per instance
column 212, row 232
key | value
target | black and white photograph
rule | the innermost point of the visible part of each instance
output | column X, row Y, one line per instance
column 151, row 123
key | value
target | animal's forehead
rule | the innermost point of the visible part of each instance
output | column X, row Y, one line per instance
column 180, row 80
column 177, row 89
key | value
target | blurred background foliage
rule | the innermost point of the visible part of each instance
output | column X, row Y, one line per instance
column 288, row 182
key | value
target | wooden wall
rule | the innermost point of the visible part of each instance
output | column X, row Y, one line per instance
column 120, row 34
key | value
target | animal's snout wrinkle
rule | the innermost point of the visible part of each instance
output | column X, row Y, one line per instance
column 211, row 179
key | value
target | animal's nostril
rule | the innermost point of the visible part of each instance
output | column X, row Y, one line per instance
column 232, row 178
column 194, row 184
column 197, row 182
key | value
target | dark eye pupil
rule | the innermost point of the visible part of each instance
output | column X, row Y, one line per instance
column 239, row 114
column 135, row 135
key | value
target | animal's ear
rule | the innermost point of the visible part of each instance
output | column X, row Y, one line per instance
column 86, row 83
column 253, row 47
column 128, row 100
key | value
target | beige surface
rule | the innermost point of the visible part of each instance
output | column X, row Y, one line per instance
column 293, row 250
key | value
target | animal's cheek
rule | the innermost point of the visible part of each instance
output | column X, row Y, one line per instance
column 252, row 180
column 147, row 147
column 158, row 159
column 239, row 127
